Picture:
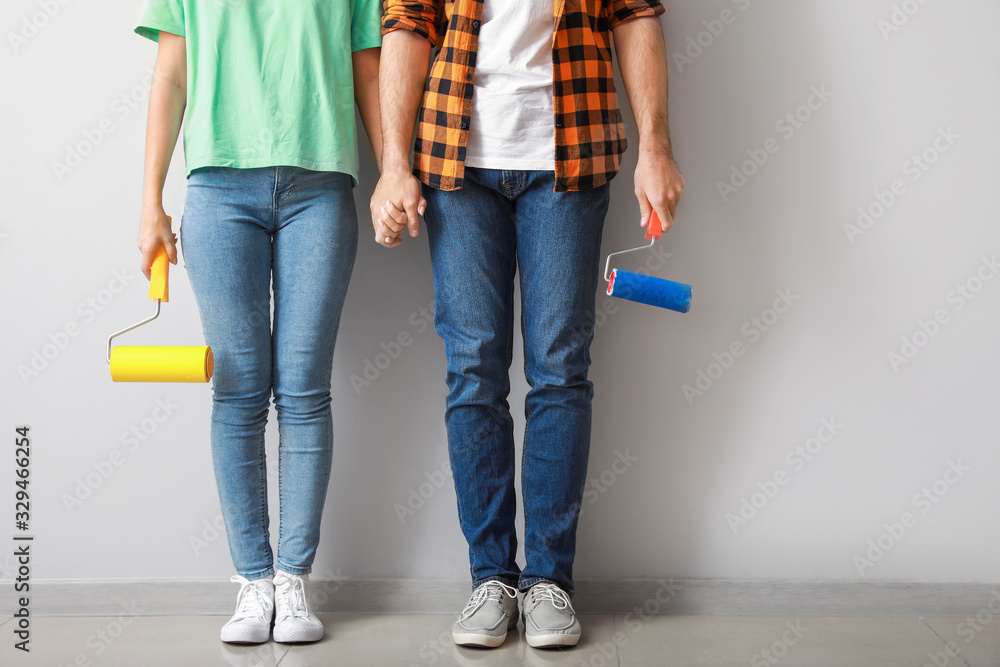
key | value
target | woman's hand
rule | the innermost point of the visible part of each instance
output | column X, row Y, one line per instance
column 155, row 231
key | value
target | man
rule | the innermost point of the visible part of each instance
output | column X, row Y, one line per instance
column 519, row 133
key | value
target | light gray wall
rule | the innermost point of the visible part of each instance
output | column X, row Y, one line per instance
column 64, row 240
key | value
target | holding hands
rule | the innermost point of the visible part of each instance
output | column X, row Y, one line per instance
column 395, row 206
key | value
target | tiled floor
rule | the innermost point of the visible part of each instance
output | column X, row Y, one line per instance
column 423, row 640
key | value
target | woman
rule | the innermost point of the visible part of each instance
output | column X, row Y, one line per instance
column 267, row 95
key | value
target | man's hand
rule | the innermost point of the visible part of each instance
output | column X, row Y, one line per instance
column 396, row 205
column 642, row 59
column 658, row 186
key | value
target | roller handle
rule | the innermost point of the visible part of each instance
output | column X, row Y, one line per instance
column 654, row 228
column 158, row 272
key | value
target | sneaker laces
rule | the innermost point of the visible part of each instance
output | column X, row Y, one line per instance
column 491, row 590
column 543, row 591
column 251, row 602
column 292, row 602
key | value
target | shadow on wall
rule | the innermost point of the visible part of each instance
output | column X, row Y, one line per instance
column 678, row 407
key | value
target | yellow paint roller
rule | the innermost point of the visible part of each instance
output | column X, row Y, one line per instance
column 147, row 363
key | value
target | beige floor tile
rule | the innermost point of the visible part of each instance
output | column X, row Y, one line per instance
column 423, row 640
column 363, row 640
column 807, row 641
column 976, row 638
column 147, row 641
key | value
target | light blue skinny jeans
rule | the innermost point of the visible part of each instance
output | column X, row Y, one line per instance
column 246, row 232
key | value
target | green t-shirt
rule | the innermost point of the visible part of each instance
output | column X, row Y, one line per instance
column 269, row 82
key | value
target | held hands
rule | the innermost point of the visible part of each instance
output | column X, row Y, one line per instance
column 396, row 205
column 658, row 186
column 154, row 231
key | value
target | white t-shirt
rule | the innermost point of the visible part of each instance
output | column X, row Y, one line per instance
column 512, row 126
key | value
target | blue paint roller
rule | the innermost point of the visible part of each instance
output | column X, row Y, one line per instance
column 647, row 289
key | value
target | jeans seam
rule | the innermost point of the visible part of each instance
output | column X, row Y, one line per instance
column 263, row 499
column 274, row 202
column 281, row 507
column 512, row 183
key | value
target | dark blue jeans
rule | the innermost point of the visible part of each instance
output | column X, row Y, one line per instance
column 498, row 222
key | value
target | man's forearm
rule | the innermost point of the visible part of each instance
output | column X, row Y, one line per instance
column 402, row 74
column 642, row 60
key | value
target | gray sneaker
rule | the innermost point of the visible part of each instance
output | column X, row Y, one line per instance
column 492, row 610
column 549, row 618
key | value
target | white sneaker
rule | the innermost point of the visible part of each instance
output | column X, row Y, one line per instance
column 251, row 624
column 294, row 622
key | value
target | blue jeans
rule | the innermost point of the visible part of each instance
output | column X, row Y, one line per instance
column 244, row 232
column 498, row 222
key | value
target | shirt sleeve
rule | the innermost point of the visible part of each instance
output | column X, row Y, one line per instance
column 417, row 17
column 623, row 10
column 366, row 23
column 160, row 15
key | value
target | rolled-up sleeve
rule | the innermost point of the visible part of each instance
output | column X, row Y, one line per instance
column 418, row 17
column 156, row 16
column 623, row 10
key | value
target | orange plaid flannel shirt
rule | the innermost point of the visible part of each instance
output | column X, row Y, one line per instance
column 590, row 136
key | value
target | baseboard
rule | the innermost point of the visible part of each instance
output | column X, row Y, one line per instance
column 650, row 596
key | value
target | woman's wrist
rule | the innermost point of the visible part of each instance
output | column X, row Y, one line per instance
column 152, row 204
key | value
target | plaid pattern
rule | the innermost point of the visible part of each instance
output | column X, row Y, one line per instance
column 590, row 136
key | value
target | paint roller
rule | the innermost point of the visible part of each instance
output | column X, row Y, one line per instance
column 148, row 363
column 649, row 290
